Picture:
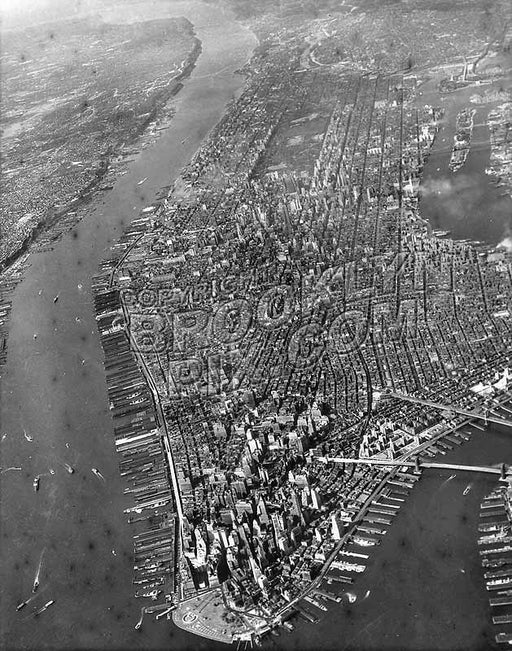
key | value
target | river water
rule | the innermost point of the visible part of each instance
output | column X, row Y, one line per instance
column 425, row 579
column 466, row 202
column 76, row 521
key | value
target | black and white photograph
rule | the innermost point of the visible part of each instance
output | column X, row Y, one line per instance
column 255, row 325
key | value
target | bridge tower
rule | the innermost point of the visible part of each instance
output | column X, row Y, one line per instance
column 503, row 472
column 417, row 466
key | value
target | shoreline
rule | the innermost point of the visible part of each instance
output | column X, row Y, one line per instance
column 88, row 192
column 12, row 268
column 70, row 416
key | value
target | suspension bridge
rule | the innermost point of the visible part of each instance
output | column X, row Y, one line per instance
column 503, row 470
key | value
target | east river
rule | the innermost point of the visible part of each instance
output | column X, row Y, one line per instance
column 425, row 582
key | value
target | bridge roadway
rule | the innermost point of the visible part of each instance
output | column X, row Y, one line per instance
column 453, row 408
column 410, row 464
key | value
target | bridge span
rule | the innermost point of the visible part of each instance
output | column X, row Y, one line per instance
column 453, row 408
column 502, row 469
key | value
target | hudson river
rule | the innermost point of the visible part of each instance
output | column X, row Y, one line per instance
column 75, row 524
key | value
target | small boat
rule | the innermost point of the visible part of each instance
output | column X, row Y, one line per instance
column 467, row 489
column 47, row 605
column 69, row 468
column 27, row 436
column 142, row 181
column 35, row 483
column 36, row 579
column 139, row 623
column 21, row 605
column 97, row 473
column 55, row 298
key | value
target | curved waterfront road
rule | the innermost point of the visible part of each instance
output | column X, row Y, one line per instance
column 53, row 387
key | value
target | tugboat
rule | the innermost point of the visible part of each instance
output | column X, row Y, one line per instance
column 47, row 605
column 36, row 579
column 98, row 473
column 35, row 483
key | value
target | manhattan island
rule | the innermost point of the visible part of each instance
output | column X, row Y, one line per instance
column 286, row 306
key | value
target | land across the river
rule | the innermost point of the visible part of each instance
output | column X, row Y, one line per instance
column 425, row 582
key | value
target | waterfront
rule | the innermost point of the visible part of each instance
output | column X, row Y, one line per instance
column 53, row 387
column 425, row 579
column 466, row 203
